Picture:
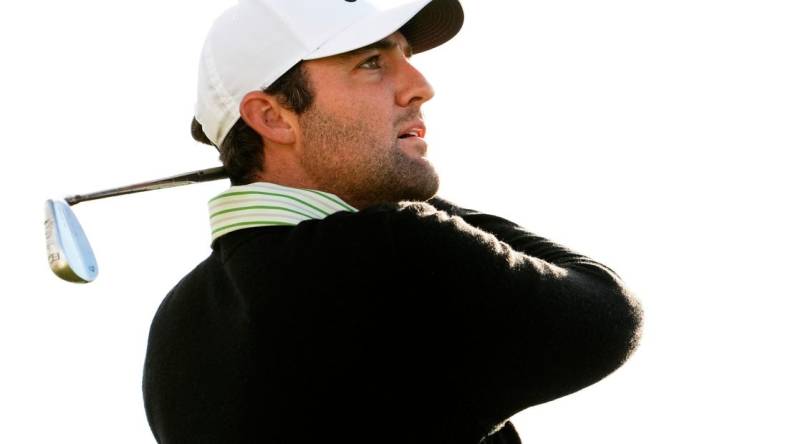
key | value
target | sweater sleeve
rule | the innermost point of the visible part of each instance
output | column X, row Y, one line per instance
column 522, row 319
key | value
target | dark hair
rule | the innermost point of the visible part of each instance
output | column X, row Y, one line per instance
column 241, row 151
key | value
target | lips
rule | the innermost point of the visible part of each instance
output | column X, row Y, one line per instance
column 416, row 129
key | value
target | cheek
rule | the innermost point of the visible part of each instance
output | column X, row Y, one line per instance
column 355, row 107
column 356, row 101
column 366, row 122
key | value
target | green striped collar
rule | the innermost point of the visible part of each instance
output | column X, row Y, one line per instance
column 263, row 204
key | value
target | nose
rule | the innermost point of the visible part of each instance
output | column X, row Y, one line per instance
column 414, row 87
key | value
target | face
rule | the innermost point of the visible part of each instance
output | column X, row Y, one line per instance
column 363, row 137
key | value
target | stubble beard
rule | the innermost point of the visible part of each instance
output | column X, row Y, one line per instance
column 346, row 159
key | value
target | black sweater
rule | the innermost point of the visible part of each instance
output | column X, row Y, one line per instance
column 401, row 323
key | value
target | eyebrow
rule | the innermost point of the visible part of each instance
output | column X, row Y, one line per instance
column 386, row 44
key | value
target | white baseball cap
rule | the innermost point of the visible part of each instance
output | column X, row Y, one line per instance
column 256, row 41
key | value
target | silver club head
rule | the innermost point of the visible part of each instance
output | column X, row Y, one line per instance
column 69, row 253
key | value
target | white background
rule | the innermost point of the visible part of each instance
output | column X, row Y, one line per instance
column 646, row 134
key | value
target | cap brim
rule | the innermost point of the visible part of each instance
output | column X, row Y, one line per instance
column 426, row 24
column 434, row 25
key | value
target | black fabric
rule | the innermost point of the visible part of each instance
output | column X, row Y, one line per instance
column 402, row 323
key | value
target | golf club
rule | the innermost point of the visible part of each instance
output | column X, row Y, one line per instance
column 68, row 251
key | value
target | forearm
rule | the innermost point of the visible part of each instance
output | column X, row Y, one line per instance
column 526, row 242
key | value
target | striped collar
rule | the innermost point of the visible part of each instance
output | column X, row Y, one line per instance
column 263, row 204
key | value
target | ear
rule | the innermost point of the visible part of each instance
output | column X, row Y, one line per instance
column 263, row 113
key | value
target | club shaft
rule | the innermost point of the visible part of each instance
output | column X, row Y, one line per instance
column 169, row 182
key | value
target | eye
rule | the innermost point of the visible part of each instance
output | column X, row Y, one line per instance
column 371, row 63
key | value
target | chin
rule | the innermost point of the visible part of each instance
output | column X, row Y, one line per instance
column 404, row 179
column 424, row 191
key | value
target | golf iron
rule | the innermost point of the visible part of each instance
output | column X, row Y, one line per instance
column 68, row 250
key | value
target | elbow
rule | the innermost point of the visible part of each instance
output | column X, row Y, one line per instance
column 617, row 328
column 625, row 324
column 608, row 321
column 588, row 329
column 614, row 331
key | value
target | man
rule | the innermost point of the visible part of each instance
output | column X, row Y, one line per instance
column 343, row 302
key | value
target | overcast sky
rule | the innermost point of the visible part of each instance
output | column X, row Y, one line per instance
column 648, row 135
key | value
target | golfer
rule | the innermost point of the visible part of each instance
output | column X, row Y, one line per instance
column 343, row 302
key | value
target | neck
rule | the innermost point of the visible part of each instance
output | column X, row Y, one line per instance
column 281, row 166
